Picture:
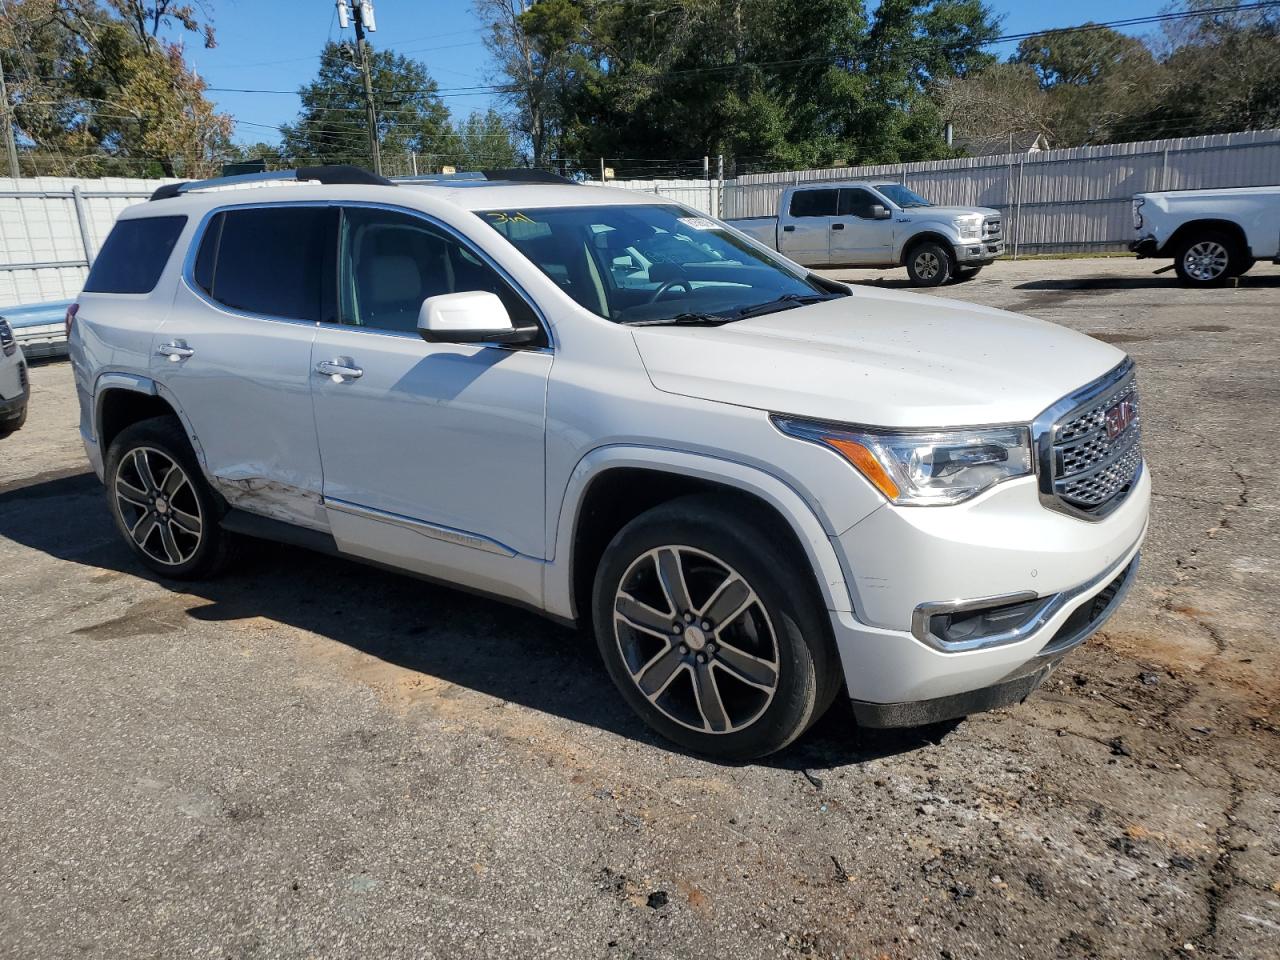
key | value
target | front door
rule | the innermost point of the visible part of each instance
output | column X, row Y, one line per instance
column 806, row 230
column 235, row 353
column 856, row 235
column 433, row 453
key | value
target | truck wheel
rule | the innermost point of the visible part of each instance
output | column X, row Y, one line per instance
column 711, row 632
column 929, row 265
column 1207, row 259
column 161, row 503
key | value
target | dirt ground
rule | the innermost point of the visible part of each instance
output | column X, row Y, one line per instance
column 310, row 758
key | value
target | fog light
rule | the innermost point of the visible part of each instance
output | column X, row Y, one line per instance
column 965, row 625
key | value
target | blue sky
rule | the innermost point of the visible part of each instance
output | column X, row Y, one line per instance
column 276, row 45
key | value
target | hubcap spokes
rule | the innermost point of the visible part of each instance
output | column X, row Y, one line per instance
column 158, row 506
column 696, row 639
column 1206, row 260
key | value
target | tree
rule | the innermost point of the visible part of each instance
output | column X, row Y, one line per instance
column 97, row 89
column 529, row 46
column 331, row 126
column 483, row 141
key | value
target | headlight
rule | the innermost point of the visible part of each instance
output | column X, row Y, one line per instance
column 969, row 228
column 1137, row 212
column 924, row 468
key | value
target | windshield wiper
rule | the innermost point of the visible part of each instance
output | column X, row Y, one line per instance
column 684, row 320
column 784, row 302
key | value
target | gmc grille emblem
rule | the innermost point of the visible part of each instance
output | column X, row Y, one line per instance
column 1119, row 417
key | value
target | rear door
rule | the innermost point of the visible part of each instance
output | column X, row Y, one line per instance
column 235, row 352
column 805, row 227
column 856, row 235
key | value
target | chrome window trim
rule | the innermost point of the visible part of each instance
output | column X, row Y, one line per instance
column 433, row 531
column 1042, row 436
column 1053, row 604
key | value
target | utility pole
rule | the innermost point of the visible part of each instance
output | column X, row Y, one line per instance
column 10, row 147
column 363, row 20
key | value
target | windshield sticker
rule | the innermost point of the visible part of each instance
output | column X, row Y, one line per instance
column 499, row 216
column 699, row 223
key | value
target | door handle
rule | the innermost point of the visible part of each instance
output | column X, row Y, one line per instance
column 837, row 226
column 176, row 351
column 789, row 228
column 339, row 369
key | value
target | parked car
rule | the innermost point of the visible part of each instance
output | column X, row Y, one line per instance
column 40, row 328
column 1211, row 235
column 760, row 488
column 14, row 387
column 879, row 224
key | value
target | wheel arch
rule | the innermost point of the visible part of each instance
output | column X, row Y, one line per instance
column 924, row 236
column 121, row 400
column 1207, row 225
column 613, row 485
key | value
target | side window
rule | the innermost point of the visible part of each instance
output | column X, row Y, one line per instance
column 266, row 260
column 857, row 202
column 390, row 262
column 134, row 254
column 813, row 203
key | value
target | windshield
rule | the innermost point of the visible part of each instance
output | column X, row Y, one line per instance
column 633, row 264
column 902, row 196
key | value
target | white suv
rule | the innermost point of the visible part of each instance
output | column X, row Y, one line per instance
column 758, row 487
column 14, row 387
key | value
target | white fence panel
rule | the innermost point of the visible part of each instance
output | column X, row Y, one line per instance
column 44, row 249
column 702, row 195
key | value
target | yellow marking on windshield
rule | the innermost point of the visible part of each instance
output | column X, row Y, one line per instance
column 501, row 217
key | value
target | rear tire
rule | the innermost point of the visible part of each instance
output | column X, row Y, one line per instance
column 929, row 265
column 1208, row 259
column 711, row 631
column 161, row 503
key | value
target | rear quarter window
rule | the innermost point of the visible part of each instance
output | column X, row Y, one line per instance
column 134, row 255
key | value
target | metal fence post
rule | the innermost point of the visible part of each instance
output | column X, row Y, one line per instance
column 1017, row 216
column 78, row 202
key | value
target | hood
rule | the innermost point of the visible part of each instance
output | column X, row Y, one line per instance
column 950, row 213
column 880, row 358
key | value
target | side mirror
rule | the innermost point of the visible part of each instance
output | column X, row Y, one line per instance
column 879, row 212
column 475, row 316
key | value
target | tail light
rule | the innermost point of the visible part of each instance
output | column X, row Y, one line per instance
column 70, row 318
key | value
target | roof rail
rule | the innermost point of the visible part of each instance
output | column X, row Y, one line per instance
column 333, row 173
column 526, row 175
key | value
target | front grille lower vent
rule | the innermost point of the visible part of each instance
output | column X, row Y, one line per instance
column 1091, row 453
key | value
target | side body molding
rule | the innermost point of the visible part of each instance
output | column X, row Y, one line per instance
column 558, row 586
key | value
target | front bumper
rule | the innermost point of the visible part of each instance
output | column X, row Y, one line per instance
column 1001, row 544
column 1019, row 683
column 12, row 408
column 978, row 252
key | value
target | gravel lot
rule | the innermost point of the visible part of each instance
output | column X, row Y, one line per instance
column 314, row 758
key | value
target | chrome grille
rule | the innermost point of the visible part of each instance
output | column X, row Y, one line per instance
column 1091, row 454
column 7, row 343
column 991, row 228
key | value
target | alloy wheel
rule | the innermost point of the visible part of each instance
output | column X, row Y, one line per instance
column 696, row 640
column 927, row 265
column 158, row 506
column 1205, row 261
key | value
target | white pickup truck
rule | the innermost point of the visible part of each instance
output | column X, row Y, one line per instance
column 1211, row 235
column 879, row 224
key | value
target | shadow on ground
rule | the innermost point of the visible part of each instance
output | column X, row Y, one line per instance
column 470, row 641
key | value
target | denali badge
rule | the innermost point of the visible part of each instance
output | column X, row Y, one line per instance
column 1119, row 417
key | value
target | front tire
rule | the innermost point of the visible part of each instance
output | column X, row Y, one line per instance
column 161, row 503
column 929, row 265
column 1208, row 259
column 711, row 632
